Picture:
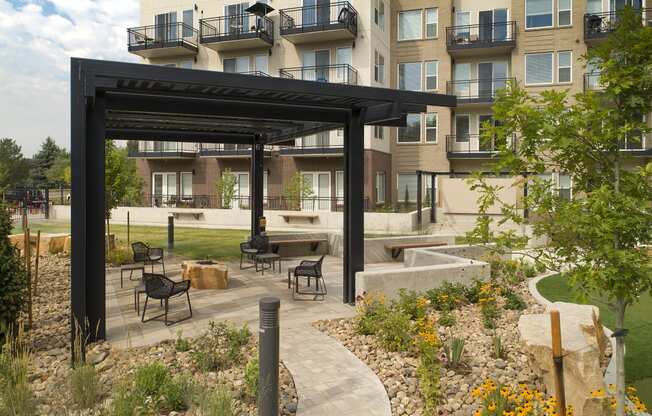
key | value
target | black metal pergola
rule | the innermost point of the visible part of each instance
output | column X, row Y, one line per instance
column 111, row 100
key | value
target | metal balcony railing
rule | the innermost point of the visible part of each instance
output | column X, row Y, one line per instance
column 312, row 147
column 240, row 26
column 209, row 149
column 339, row 74
column 481, row 35
column 163, row 36
column 337, row 15
column 474, row 145
column 637, row 143
column 164, row 150
column 477, row 90
column 597, row 25
column 592, row 81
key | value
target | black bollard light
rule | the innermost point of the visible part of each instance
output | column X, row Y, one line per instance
column 170, row 233
column 268, row 357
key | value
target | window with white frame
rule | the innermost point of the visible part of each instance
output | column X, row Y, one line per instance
column 432, row 22
column 411, row 133
column 564, row 66
column 564, row 13
column 409, row 25
column 187, row 23
column 538, row 14
column 431, row 127
column 409, row 76
column 406, row 187
column 593, row 6
column 380, row 187
column 379, row 14
column 379, row 132
column 538, row 68
column 432, row 68
column 564, row 186
column 186, row 184
column 379, row 67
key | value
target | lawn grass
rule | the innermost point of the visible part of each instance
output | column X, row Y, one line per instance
column 638, row 359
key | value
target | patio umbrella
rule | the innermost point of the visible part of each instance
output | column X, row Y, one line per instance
column 260, row 9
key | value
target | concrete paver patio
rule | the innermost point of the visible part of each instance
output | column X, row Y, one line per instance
column 329, row 379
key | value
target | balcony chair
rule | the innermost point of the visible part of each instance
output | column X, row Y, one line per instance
column 148, row 255
column 309, row 269
column 160, row 287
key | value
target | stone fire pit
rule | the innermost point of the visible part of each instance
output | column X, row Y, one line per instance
column 205, row 274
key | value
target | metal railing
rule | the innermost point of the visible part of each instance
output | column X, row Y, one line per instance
column 597, row 25
column 225, row 149
column 162, row 36
column 339, row 74
column 311, row 147
column 239, row 26
column 478, row 90
column 319, row 17
column 256, row 73
column 634, row 143
column 481, row 35
column 475, row 144
column 164, row 149
column 592, row 81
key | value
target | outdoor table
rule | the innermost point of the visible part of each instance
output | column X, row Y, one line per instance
column 267, row 261
column 131, row 268
column 205, row 274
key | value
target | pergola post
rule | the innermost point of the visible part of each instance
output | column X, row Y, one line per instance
column 256, row 180
column 433, row 198
column 419, row 198
column 87, row 210
column 353, row 202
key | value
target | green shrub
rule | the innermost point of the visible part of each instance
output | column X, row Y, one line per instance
column 395, row 331
column 16, row 397
column 119, row 255
column 84, row 386
column 489, row 315
column 125, row 402
column 427, row 345
column 251, row 378
column 181, row 344
column 149, row 378
column 13, row 277
column 454, row 351
column 410, row 303
column 499, row 350
column 371, row 311
column 447, row 296
column 177, row 393
column 221, row 346
column 217, row 403
column 472, row 292
column 513, row 301
column 447, row 319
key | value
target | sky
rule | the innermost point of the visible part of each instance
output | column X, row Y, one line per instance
column 37, row 39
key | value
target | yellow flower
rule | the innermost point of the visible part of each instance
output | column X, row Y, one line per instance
column 477, row 413
column 631, row 389
column 477, row 392
column 598, row 393
column 492, row 406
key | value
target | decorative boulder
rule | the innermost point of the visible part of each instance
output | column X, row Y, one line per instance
column 583, row 346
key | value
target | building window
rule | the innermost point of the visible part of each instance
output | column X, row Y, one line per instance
column 340, row 132
column 564, row 187
column 406, row 187
column 380, row 187
column 186, row 64
column 409, row 25
column 432, row 68
column 236, row 65
column 564, row 66
column 432, row 20
column 431, row 127
column 261, row 63
column 187, row 23
column 564, row 16
column 186, row 184
column 412, row 132
column 538, row 68
column 379, row 67
column 409, row 76
column 379, row 14
column 538, row 13
column 339, row 187
column 594, row 6
column 379, row 132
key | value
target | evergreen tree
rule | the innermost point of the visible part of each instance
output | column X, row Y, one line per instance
column 13, row 167
column 13, row 277
column 44, row 160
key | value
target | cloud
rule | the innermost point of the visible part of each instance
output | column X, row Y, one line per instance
column 37, row 39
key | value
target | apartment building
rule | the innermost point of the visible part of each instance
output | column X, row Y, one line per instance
column 468, row 48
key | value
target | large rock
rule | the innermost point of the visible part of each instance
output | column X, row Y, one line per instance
column 583, row 344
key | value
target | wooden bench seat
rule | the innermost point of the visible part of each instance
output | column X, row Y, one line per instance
column 311, row 217
column 196, row 214
column 396, row 249
column 314, row 243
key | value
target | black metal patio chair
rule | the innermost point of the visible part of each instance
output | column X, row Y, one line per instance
column 148, row 255
column 309, row 269
column 247, row 252
column 160, row 287
column 259, row 244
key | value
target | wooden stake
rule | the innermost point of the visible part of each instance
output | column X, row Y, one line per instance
column 558, row 360
column 28, row 263
column 38, row 252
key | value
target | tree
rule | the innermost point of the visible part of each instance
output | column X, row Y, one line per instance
column 13, row 277
column 225, row 188
column 13, row 167
column 599, row 232
column 122, row 183
column 297, row 188
column 43, row 160
column 59, row 173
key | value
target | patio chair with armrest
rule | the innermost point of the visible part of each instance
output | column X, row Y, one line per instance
column 309, row 269
column 160, row 287
column 148, row 255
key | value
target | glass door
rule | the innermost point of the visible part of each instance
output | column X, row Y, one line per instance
column 309, row 13
column 462, row 30
column 485, row 80
column 462, row 75
column 324, row 12
column 164, row 189
column 499, row 76
column 242, row 190
column 462, row 130
column 486, row 20
column 485, row 144
column 165, row 27
column 344, row 59
column 237, row 20
column 500, row 25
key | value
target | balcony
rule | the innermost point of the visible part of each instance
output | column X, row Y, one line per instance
column 472, row 40
column 165, row 40
column 315, row 146
column 476, row 91
column 472, row 146
column 592, row 81
column 164, row 150
column 236, row 32
column 319, row 23
column 638, row 146
column 339, row 74
column 599, row 25
column 235, row 151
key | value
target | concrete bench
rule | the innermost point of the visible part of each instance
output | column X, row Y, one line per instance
column 397, row 249
column 311, row 217
column 314, row 243
column 195, row 214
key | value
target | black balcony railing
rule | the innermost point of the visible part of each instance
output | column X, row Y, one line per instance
column 320, row 17
column 225, row 150
column 477, row 90
column 481, row 35
column 475, row 145
column 598, row 25
column 256, row 73
column 339, row 74
column 637, row 143
column 164, row 150
column 592, row 81
column 163, row 36
column 240, row 26
column 312, row 148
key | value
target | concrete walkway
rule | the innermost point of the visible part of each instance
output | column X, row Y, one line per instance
column 329, row 379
